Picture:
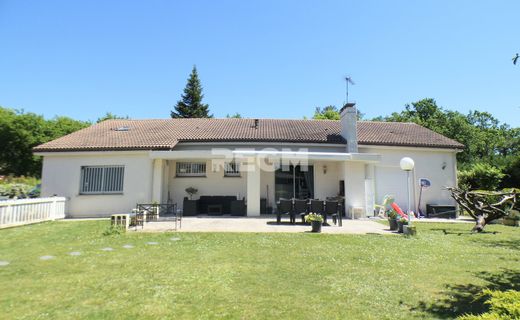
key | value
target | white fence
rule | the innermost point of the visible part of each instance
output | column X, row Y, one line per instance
column 25, row 211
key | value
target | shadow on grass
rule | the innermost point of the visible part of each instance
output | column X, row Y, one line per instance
column 297, row 223
column 447, row 231
column 468, row 298
column 284, row 223
column 507, row 244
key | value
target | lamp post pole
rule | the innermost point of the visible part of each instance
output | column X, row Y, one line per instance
column 407, row 164
column 409, row 200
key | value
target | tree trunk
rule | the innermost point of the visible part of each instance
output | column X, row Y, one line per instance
column 480, row 224
column 484, row 206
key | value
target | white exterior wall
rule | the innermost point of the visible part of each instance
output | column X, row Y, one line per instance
column 61, row 177
column 428, row 164
column 267, row 184
column 253, row 188
column 214, row 184
column 354, row 176
column 326, row 184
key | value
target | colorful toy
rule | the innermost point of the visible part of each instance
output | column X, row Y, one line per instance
column 387, row 200
column 398, row 210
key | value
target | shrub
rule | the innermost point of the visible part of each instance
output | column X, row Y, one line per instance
column 502, row 305
column 313, row 217
column 114, row 230
column 481, row 176
column 11, row 186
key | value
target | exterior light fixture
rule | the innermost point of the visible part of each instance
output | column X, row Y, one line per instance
column 407, row 164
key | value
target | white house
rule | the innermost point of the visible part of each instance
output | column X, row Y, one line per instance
column 111, row 166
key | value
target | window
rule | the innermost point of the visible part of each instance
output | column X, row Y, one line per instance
column 102, row 179
column 231, row 169
column 191, row 169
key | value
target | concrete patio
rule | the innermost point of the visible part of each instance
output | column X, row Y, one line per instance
column 259, row 224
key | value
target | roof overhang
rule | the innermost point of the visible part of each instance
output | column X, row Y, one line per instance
column 303, row 155
column 270, row 154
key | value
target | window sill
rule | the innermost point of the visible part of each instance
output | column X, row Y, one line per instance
column 101, row 194
column 232, row 176
column 190, row 176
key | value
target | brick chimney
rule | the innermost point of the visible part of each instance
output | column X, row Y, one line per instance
column 349, row 126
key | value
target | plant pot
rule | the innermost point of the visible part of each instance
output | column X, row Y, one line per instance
column 316, row 226
column 393, row 224
column 400, row 226
column 191, row 207
column 409, row 230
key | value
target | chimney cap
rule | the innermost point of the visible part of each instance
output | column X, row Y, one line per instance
column 347, row 105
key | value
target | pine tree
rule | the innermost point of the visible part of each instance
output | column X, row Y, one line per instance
column 190, row 105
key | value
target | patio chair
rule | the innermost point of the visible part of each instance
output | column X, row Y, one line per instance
column 300, row 208
column 332, row 208
column 285, row 206
column 316, row 206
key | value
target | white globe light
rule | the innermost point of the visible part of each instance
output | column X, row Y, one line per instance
column 407, row 164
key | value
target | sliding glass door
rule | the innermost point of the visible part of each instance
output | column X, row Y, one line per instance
column 294, row 182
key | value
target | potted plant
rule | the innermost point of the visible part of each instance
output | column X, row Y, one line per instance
column 392, row 219
column 316, row 220
column 400, row 223
column 191, row 191
column 190, row 207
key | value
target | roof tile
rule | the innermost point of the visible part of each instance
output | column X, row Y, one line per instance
column 164, row 134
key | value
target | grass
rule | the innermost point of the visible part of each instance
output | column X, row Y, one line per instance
column 246, row 276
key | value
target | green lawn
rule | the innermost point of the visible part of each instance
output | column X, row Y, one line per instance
column 246, row 276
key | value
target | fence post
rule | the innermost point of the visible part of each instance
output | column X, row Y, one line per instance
column 8, row 214
column 53, row 208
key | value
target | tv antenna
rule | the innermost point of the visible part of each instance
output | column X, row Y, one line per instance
column 348, row 80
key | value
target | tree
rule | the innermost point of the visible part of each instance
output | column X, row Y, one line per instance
column 512, row 173
column 111, row 116
column 190, row 105
column 236, row 115
column 480, row 176
column 21, row 132
column 326, row 113
column 484, row 138
column 485, row 206
column 331, row 113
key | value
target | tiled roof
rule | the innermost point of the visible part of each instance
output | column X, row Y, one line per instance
column 402, row 134
column 164, row 134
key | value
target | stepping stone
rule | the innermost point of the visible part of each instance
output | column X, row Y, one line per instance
column 107, row 249
column 128, row 246
column 4, row 263
column 175, row 239
column 75, row 253
column 152, row 243
column 47, row 257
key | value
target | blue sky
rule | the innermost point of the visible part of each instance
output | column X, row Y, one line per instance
column 266, row 59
